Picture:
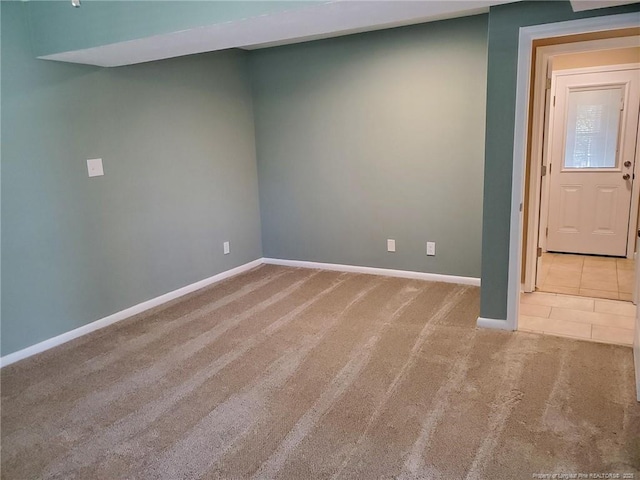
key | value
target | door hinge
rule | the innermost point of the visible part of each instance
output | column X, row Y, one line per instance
column 548, row 84
column 539, row 251
column 554, row 100
column 544, row 170
column 622, row 104
column 546, row 232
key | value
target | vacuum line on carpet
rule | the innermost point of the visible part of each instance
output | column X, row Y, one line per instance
column 235, row 417
column 52, row 385
column 507, row 398
column 136, row 421
column 449, row 302
column 415, row 460
column 329, row 397
column 91, row 405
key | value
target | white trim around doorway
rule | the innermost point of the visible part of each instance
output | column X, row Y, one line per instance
column 537, row 208
column 525, row 45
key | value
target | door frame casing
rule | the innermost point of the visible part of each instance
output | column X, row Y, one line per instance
column 636, row 299
column 541, row 117
column 525, row 44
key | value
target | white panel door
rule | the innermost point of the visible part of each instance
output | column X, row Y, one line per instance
column 591, row 162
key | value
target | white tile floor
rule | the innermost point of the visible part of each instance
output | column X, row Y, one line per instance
column 594, row 319
column 586, row 275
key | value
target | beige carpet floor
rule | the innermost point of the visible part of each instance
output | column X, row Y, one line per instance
column 307, row 374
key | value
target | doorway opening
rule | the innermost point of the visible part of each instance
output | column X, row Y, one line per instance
column 587, row 216
column 581, row 198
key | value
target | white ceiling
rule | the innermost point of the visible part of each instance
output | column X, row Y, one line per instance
column 325, row 20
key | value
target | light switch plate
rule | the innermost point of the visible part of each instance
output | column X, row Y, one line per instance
column 431, row 248
column 94, row 167
column 225, row 248
column 391, row 245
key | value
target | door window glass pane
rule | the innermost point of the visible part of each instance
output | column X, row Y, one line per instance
column 593, row 119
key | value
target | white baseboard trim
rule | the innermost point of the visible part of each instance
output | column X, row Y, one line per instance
column 434, row 277
column 154, row 302
column 126, row 313
column 493, row 323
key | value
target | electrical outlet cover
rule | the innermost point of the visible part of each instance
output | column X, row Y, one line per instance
column 94, row 167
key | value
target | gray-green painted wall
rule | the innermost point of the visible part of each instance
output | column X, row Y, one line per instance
column 374, row 136
column 504, row 26
column 177, row 141
column 360, row 139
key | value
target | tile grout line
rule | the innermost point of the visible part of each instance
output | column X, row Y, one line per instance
column 617, row 280
column 590, row 338
column 555, row 309
column 581, row 273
